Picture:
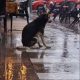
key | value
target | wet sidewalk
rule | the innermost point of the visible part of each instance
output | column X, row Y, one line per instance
column 60, row 62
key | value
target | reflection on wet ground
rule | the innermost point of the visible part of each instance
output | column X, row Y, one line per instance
column 15, row 66
column 60, row 62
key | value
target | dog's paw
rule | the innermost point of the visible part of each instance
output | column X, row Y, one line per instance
column 40, row 46
column 47, row 47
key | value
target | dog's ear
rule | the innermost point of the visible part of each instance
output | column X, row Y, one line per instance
column 48, row 13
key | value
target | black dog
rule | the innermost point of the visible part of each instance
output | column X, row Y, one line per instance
column 33, row 29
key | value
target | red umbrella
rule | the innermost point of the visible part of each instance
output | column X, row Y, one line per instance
column 58, row 1
column 37, row 3
column 73, row 0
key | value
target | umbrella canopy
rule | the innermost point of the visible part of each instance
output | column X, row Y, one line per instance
column 73, row 0
column 58, row 1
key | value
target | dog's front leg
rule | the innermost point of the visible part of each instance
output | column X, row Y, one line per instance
column 42, row 39
column 39, row 44
column 38, row 41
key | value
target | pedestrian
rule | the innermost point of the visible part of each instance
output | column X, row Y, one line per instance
column 51, row 6
column 64, row 11
column 26, row 9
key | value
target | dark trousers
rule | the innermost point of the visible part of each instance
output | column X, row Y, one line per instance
column 27, row 15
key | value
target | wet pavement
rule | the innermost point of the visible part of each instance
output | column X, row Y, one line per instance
column 60, row 62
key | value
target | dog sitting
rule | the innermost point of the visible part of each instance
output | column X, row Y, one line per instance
column 33, row 30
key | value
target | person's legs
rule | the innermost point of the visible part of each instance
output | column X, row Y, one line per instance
column 27, row 15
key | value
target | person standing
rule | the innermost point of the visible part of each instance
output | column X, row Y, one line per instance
column 23, row 6
column 26, row 3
